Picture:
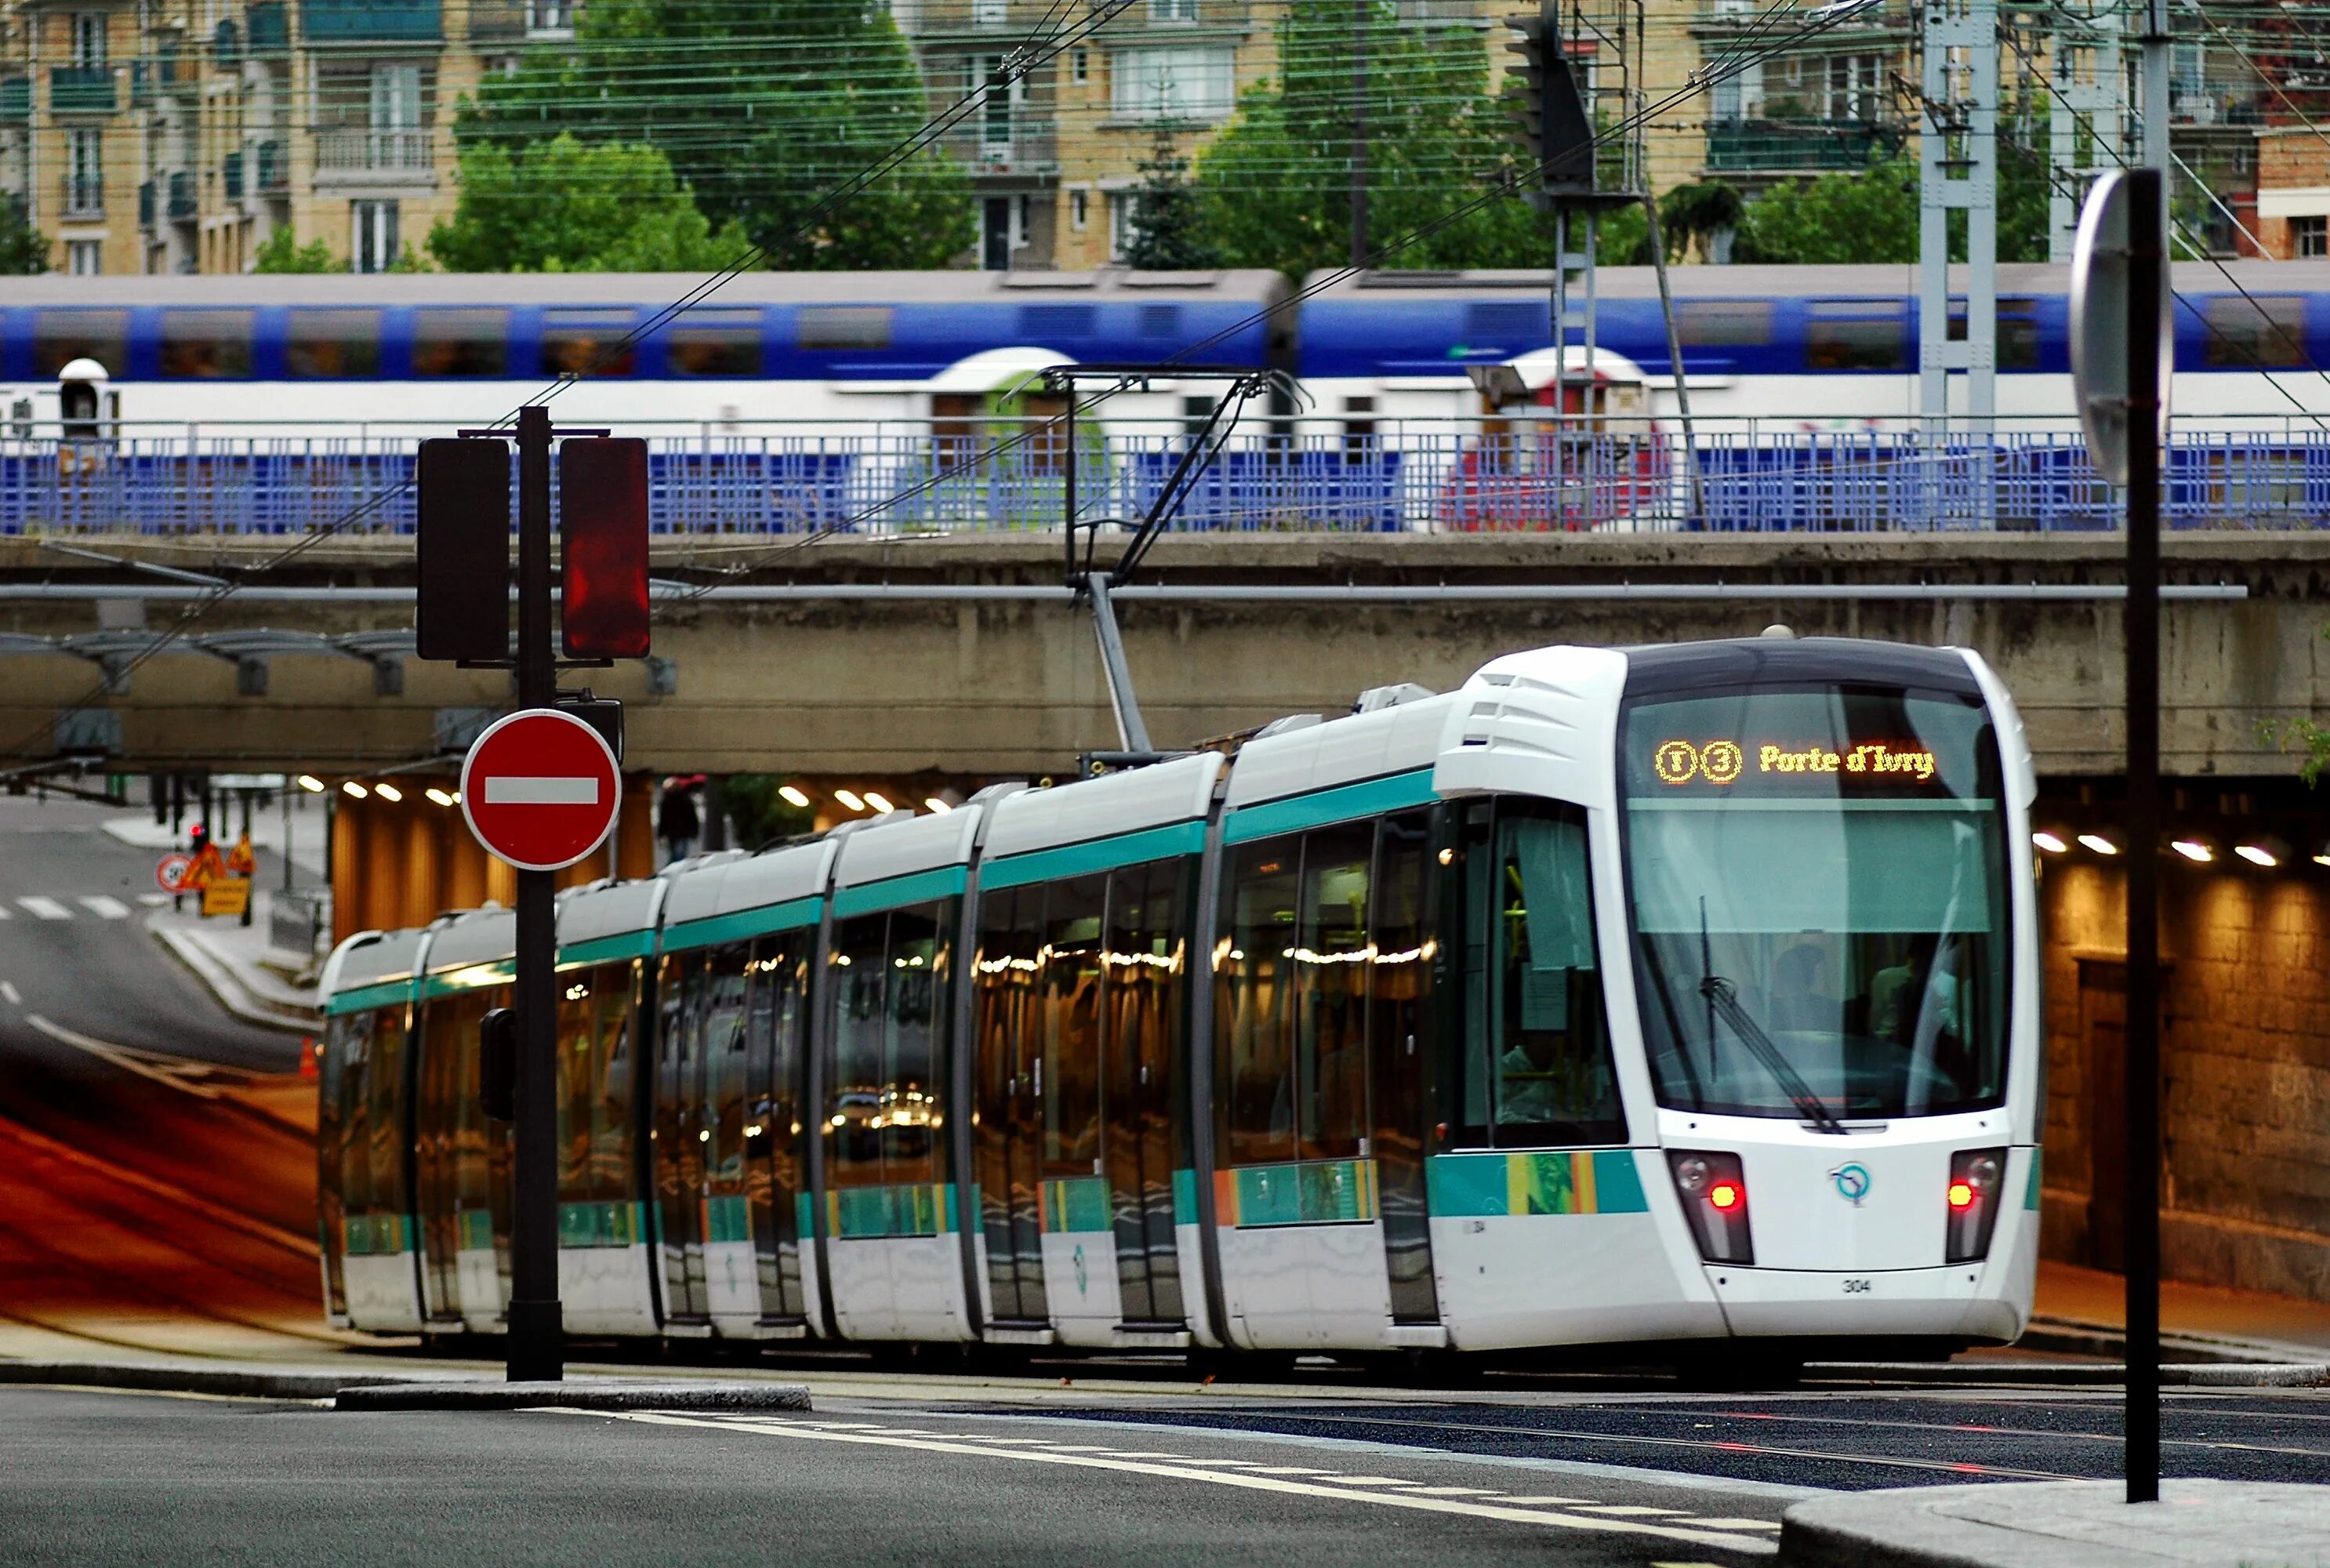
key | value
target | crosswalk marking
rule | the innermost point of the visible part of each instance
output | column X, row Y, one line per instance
column 106, row 907
column 153, row 900
column 48, row 909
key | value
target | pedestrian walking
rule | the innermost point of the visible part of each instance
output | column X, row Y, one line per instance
column 678, row 822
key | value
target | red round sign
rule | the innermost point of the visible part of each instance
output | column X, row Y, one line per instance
column 540, row 790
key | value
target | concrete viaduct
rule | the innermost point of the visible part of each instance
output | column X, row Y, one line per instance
column 961, row 657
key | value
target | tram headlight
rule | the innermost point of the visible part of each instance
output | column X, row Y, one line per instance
column 1714, row 1192
column 1976, row 1176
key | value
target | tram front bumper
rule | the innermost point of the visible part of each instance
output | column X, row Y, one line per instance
column 1945, row 1303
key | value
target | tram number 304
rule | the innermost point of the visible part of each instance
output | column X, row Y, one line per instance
column 1858, row 1287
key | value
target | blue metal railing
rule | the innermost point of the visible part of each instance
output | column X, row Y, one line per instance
column 902, row 478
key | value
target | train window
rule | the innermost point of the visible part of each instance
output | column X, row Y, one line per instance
column 2267, row 333
column 1868, row 342
column 61, row 336
column 1724, row 322
column 1330, row 990
column 587, row 342
column 1537, row 1067
column 1252, row 965
column 207, row 343
column 2018, row 332
column 716, row 343
column 463, row 342
column 330, row 345
column 842, row 327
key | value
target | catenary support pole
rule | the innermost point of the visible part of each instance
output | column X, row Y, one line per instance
column 537, row 1336
column 2146, row 277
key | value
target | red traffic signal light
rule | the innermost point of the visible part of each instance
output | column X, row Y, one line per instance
column 603, row 533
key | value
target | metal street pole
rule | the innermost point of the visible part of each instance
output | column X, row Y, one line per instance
column 2146, row 277
column 536, row 1333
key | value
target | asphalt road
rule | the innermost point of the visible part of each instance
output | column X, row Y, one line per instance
column 142, row 1204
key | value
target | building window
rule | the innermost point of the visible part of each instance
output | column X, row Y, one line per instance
column 989, row 13
column 84, row 172
column 372, row 246
column 1080, row 66
column 88, row 38
column 1172, row 10
column 550, row 16
column 1177, row 83
column 1120, row 222
column 1079, row 216
column 84, row 258
column 2309, row 238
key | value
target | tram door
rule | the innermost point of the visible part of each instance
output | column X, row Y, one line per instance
column 773, row 1185
column 683, row 1125
column 1007, row 1138
column 463, row 1166
column 1143, row 982
column 1398, row 1023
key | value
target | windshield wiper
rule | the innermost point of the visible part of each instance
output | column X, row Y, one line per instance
column 1723, row 997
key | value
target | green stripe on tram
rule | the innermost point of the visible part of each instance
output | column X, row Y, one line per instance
column 1582, row 1181
column 897, row 892
column 1096, row 855
column 1073, row 1204
column 865, row 1214
column 714, row 931
column 1320, row 1192
column 363, row 998
column 606, row 950
column 620, row 1224
column 1372, row 799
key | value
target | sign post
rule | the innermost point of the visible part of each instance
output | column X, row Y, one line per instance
column 2121, row 360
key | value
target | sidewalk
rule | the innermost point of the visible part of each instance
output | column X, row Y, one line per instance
column 2063, row 1524
column 137, row 828
column 2082, row 1311
column 239, row 965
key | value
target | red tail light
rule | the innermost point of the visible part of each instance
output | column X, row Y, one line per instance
column 1714, row 1193
column 1976, row 1175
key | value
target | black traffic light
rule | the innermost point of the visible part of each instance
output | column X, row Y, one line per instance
column 1557, row 136
column 602, row 539
column 463, row 546
column 497, row 1064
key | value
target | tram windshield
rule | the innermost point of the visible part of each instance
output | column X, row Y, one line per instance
column 1817, row 884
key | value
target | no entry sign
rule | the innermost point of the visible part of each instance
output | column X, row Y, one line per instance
column 540, row 790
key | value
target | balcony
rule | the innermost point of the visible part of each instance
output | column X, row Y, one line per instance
column 226, row 46
column 16, row 99
column 393, row 155
column 146, row 204
column 1026, row 146
column 270, row 30
column 372, row 20
column 274, row 169
column 498, row 19
column 80, row 89
column 230, row 175
column 184, row 202
column 1796, row 147
column 84, row 196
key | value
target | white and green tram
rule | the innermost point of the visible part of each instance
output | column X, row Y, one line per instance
column 1683, row 996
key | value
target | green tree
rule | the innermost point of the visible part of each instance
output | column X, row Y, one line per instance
column 280, row 253
column 1168, row 223
column 1867, row 215
column 1275, row 186
column 758, row 813
column 23, row 250
column 573, row 206
column 763, row 111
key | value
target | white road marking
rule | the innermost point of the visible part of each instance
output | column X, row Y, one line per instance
column 984, row 1449
column 1454, row 1492
column 1737, row 1524
column 150, row 1064
column 1629, row 1510
column 106, row 907
column 1369, row 1481
column 1545, row 1502
column 9, row 991
column 48, row 909
column 507, row 790
column 150, row 900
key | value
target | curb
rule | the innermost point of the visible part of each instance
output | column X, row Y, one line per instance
column 2212, row 1524
column 232, row 993
column 2070, row 1337
column 231, row 1380
column 2106, row 1375
column 580, row 1394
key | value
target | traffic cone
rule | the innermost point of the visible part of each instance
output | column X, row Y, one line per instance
column 309, row 1057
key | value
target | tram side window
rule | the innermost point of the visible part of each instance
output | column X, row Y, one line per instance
column 346, row 1166
column 1071, row 993
column 773, row 1033
column 722, row 1021
column 1535, row 1063
column 889, row 1037
column 1399, row 966
column 594, row 1090
column 385, row 1122
column 1329, row 979
column 332, row 344
column 1251, row 1012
